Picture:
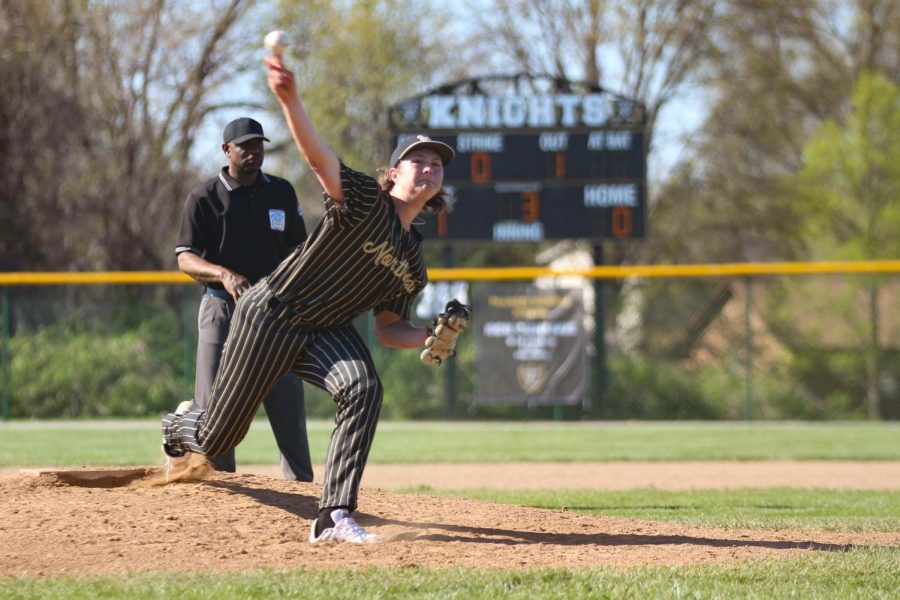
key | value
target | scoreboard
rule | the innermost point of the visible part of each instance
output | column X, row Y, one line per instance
column 549, row 185
column 575, row 170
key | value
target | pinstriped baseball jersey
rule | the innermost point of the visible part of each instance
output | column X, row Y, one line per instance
column 370, row 261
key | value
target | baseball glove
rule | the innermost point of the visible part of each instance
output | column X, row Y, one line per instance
column 441, row 342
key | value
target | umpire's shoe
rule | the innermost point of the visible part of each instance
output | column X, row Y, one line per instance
column 345, row 530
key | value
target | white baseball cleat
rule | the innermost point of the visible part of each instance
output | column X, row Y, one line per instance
column 345, row 530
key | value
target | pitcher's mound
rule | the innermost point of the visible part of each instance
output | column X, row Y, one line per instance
column 93, row 521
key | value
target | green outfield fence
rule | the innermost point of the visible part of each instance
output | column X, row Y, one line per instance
column 749, row 341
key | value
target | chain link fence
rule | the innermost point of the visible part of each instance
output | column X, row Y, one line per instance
column 752, row 346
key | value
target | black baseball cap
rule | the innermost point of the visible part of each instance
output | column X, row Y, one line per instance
column 241, row 130
column 414, row 142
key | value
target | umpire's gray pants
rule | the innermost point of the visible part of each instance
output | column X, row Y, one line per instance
column 265, row 341
column 285, row 406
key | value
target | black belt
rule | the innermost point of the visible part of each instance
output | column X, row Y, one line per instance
column 218, row 293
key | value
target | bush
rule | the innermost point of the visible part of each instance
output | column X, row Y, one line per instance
column 62, row 372
column 641, row 389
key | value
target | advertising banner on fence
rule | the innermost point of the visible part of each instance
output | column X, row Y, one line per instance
column 529, row 345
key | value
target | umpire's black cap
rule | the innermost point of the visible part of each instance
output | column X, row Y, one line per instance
column 241, row 130
column 413, row 142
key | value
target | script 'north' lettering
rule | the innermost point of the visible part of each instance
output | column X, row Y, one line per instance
column 384, row 256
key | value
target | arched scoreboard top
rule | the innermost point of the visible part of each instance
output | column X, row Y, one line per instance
column 538, row 158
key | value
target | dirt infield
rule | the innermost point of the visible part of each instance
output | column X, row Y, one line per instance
column 110, row 521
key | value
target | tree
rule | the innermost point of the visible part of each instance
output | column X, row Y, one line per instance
column 850, row 180
column 776, row 71
column 849, row 191
column 107, row 97
column 647, row 50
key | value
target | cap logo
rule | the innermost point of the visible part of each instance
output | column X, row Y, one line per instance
column 410, row 142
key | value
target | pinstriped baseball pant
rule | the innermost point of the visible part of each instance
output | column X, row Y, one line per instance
column 263, row 345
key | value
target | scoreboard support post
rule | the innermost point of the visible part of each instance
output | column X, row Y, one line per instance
column 600, row 370
column 450, row 384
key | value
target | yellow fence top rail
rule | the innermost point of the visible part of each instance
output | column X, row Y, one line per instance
column 93, row 277
column 698, row 270
column 494, row 273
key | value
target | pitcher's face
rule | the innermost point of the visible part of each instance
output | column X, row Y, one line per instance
column 420, row 173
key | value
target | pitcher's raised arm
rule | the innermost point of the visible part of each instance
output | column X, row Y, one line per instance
column 320, row 158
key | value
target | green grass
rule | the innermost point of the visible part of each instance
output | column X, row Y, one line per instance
column 868, row 573
column 749, row 508
column 73, row 443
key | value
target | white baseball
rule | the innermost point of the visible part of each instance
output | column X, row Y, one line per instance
column 276, row 42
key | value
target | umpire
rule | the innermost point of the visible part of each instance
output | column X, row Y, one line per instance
column 235, row 229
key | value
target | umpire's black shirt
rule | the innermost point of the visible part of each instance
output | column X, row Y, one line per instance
column 246, row 229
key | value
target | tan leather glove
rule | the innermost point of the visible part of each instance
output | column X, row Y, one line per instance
column 441, row 342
